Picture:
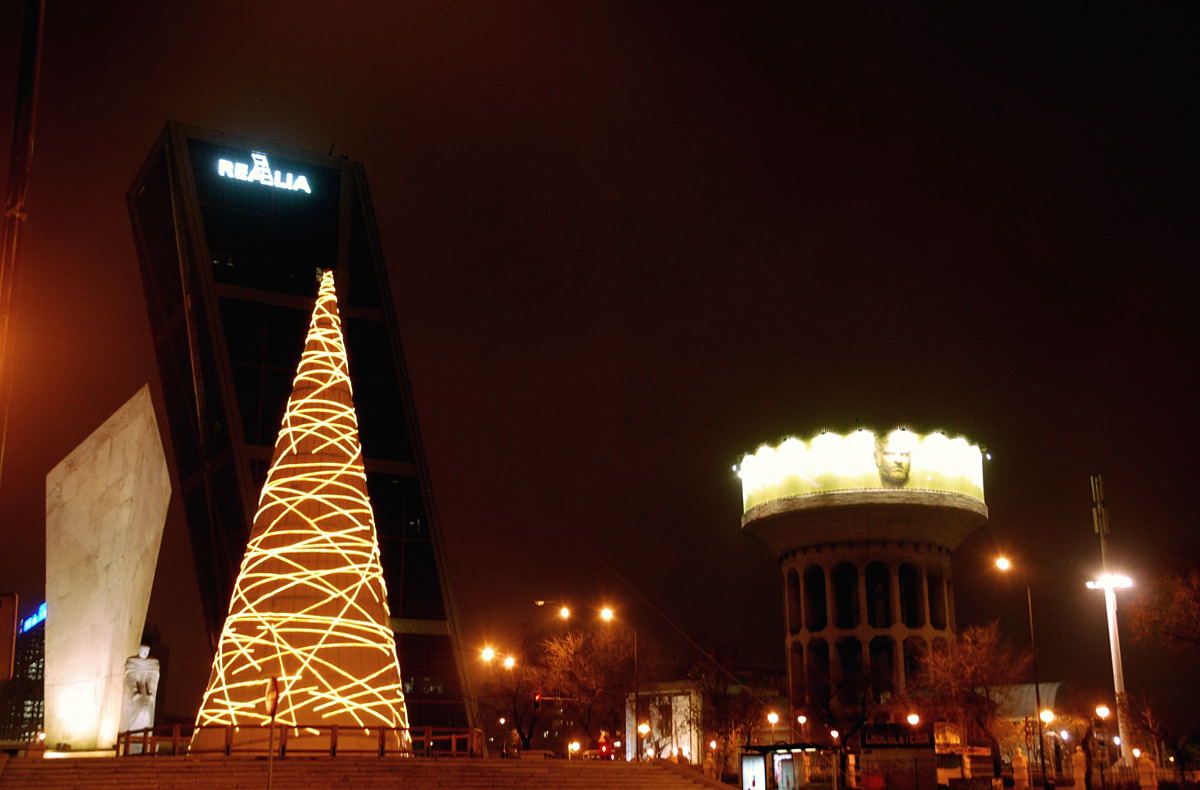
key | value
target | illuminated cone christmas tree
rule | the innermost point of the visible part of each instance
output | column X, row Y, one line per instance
column 309, row 606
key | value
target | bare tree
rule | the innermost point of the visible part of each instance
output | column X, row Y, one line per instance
column 959, row 682
column 590, row 673
column 1169, row 614
column 730, row 710
column 509, row 693
column 1176, row 734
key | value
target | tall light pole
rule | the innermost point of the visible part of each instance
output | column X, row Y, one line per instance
column 1005, row 565
column 607, row 615
column 1110, row 582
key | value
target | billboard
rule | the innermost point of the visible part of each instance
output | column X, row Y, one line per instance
column 862, row 461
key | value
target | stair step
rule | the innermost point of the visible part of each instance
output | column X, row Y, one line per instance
column 302, row 773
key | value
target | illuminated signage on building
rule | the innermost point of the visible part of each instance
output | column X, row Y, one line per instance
column 32, row 620
column 861, row 461
column 260, row 172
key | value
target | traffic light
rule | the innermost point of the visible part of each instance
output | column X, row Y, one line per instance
column 537, row 700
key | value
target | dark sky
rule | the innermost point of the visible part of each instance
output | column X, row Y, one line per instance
column 630, row 242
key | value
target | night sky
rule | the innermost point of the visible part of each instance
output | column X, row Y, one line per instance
column 630, row 242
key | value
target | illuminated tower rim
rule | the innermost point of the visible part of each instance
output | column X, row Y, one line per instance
column 834, row 469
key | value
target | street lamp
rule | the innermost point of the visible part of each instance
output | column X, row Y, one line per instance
column 913, row 719
column 487, row 654
column 1004, row 564
column 509, row 662
column 608, row 615
column 564, row 611
column 1110, row 583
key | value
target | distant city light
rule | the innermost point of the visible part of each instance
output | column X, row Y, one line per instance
column 834, row 734
column 1066, row 736
column 712, row 744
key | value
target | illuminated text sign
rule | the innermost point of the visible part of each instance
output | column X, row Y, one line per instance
column 259, row 171
column 33, row 619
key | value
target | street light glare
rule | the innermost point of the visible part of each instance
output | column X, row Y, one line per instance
column 1111, row 581
column 834, row 734
column 1003, row 563
column 802, row 719
column 643, row 729
column 1103, row 711
column 1066, row 736
column 1047, row 716
column 607, row 614
column 565, row 613
column 487, row 654
column 773, row 718
column 913, row 719
column 509, row 662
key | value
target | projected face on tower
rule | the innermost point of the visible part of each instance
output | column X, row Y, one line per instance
column 894, row 460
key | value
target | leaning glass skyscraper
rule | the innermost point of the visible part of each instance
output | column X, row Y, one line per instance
column 231, row 234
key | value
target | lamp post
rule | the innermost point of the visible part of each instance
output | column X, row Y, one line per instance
column 608, row 615
column 1005, row 565
column 1110, row 583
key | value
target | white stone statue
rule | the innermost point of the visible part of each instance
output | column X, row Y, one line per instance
column 141, row 688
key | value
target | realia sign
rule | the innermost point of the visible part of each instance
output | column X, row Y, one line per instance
column 259, row 171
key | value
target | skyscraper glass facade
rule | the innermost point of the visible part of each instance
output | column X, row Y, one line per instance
column 229, row 250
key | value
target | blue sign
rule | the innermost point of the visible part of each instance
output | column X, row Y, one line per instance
column 32, row 620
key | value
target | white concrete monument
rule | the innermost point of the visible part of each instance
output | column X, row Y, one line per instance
column 106, row 504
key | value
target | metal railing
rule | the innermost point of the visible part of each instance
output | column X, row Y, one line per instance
column 317, row 739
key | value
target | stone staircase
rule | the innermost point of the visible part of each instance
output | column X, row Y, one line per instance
column 303, row 773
